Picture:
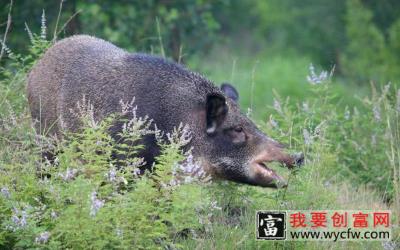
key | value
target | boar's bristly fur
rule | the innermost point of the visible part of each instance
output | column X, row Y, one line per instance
column 225, row 142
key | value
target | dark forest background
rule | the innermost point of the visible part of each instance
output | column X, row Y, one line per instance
column 360, row 37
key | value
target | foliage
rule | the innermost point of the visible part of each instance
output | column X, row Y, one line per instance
column 368, row 50
column 360, row 37
column 312, row 27
column 187, row 26
column 87, row 198
column 364, row 139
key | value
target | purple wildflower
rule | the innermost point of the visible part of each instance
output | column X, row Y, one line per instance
column 377, row 112
column 19, row 219
column 5, row 192
column 42, row 238
column 69, row 174
column 307, row 137
column 95, row 204
column 315, row 79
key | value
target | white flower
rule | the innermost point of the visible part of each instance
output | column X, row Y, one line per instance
column 347, row 113
column 53, row 215
column 305, row 106
column 5, row 192
column 389, row 245
column 126, row 107
column 249, row 112
column 315, row 79
column 173, row 182
column 307, row 137
column 119, row 232
column 112, row 175
column 95, row 204
column 187, row 172
column 19, row 219
column 283, row 203
column 377, row 112
column 43, row 27
column 188, row 179
column 180, row 136
column 85, row 111
column 192, row 168
column 277, row 106
column 136, row 172
column 69, row 174
column 42, row 238
column 214, row 205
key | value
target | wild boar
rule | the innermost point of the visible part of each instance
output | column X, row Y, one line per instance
column 226, row 142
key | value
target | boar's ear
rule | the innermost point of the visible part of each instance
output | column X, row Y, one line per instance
column 216, row 110
column 230, row 91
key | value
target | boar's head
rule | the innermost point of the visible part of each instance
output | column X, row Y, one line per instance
column 235, row 149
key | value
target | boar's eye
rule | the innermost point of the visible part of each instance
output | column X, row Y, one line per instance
column 237, row 135
column 238, row 129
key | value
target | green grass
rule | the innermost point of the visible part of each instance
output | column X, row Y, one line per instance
column 220, row 215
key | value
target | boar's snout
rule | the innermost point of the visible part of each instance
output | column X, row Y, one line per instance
column 236, row 149
column 298, row 159
column 293, row 160
column 260, row 174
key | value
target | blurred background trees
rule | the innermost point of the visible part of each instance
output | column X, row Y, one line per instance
column 360, row 37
